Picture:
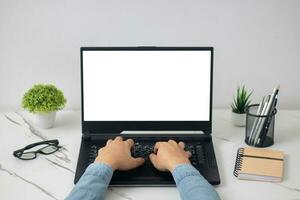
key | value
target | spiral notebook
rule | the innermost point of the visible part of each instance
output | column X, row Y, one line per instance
column 259, row 164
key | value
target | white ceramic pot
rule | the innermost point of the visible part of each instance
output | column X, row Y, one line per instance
column 44, row 120
column 238, row 119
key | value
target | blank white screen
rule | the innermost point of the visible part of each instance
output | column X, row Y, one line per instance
column 146, row 85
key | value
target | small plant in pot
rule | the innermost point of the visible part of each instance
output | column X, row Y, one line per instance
column 240, row 102
column 43, row 100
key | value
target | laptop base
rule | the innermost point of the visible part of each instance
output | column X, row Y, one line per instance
column 200, row 145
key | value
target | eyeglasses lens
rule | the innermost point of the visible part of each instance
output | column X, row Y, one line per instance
column 27, row 156
column 49, row 149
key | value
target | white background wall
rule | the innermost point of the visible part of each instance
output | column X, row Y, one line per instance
column 256, row 42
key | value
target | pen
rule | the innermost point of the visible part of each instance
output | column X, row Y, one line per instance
column 260, row 107
column 256, row 132
column 269, row 120
column 266, row 112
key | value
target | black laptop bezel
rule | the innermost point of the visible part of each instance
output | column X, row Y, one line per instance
column 116, row 127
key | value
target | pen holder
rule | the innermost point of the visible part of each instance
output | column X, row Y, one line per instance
column 259, row 128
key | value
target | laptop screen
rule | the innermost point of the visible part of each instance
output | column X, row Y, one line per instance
column 146, row 85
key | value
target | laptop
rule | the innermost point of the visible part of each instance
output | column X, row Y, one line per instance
column 148, row 94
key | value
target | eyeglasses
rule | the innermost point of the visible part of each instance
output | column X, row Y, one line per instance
column 51, row 147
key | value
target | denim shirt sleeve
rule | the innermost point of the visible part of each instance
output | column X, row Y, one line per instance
column 93, row 183
column 192, row 185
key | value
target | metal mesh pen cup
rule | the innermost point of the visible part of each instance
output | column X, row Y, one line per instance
column 259, row 128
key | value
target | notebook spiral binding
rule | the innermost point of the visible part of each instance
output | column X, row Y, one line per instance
column 238, row 161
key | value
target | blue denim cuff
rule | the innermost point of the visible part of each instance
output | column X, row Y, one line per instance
column 101, row 170
column 183, row 170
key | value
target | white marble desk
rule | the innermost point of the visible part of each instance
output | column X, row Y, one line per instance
column 51, row 177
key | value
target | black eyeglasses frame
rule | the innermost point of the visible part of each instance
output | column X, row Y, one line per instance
column 18, row 153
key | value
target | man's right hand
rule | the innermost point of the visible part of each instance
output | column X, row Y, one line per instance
column 167, row 155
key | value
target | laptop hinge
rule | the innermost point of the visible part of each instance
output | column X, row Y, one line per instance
column 86, row 136
column 207, row 133
column 160, row 132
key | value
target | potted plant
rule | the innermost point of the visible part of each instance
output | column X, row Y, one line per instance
column 239, row 105
column 44, row 100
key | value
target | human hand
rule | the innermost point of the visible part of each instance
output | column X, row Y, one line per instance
column 169, row 155
column 117, row 154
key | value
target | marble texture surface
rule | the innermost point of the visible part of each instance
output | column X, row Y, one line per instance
column 51, row 177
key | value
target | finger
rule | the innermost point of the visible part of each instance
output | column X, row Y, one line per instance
column 119, row 138
column 188, row 154
column 136, row 162
column 130, row 142
column 156, row 146
column 109, row 141
column 181, row 144
column 172, row 142
column 153, row 159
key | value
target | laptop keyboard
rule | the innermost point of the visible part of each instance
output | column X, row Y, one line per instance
column 144, row 149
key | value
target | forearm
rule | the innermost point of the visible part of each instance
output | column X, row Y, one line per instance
column 93, row 183
column 192, row 185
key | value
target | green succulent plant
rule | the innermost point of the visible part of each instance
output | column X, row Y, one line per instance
column 241, row 101
column 43, row 98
